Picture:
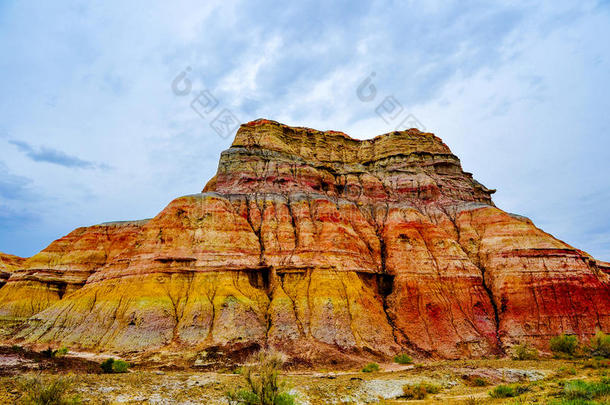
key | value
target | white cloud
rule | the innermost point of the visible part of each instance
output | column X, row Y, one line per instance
column 518, row 90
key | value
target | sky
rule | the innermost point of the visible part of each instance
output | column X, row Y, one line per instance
column 111, row 109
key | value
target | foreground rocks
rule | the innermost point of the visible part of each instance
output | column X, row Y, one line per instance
column 325, row 247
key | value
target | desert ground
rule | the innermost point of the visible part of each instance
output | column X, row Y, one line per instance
column 544, row 381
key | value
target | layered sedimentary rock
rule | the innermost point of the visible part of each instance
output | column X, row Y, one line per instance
column 63, row 267
column 324, row 246
column 8, row 263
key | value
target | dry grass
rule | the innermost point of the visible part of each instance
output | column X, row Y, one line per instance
column 141, row 387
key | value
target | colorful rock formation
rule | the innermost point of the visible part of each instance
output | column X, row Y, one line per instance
column 8, row 263
column 63, row 267
column 322, row 246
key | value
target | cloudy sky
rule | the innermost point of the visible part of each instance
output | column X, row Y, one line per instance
column 96, row 123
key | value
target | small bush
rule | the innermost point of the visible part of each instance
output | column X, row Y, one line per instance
column 420, row 390
column 60, row 352
column 475, row 380
column 414, row 391
column 579, row 389
column 565, row 371
column 596, row 363
column 564, row 344
column 503, row 391
column 432, row 388
column 600, row 345
column 524, row 351
column 48, row 352
column 369, row 368
column 242, row 397
column 403, row 359
column 284, row 398
column 479, row 382
column 508, row 391
column 107, row 365
column 111, row 365
column 262, row 378
column 37, row 391
column 120, row 366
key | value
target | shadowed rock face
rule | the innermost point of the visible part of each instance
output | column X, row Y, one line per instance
column 322, row 246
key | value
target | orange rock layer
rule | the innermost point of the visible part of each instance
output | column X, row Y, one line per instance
column 8, row 263
column 63, row 267
column 322, row 246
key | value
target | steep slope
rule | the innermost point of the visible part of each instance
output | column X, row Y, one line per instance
column 325, row 246
column 541, row 286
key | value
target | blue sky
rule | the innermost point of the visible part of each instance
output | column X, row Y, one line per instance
column 92, row 131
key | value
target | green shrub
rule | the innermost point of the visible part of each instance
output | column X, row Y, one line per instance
column 244, row 397
column 284, row 398
column 524, row 351
column 369, row 368
column 262, row 379
column 53, row 391
column 503, row 391
column 479, row 381
column 564, row 344
column 403, row 359
column 420, row 390
column 111, row 365
column 48, row 352
column 508, row 391
column 107, row 365
column 600, row 345
column 579, row 389
column 120, row 366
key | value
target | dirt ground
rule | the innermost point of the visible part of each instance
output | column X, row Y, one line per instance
column 458, row 380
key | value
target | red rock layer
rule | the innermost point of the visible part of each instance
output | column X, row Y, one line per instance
column 322, row 246
column 541, row 286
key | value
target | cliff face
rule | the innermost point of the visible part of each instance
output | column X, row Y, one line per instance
column 324, row 247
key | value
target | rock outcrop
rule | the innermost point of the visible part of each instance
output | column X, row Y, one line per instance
column 8, row 263
column 322, row 246
column 63, row 267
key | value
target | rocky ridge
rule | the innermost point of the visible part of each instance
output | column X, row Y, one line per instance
column 322, row 246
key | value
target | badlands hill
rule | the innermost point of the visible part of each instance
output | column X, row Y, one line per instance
column 325, row 247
